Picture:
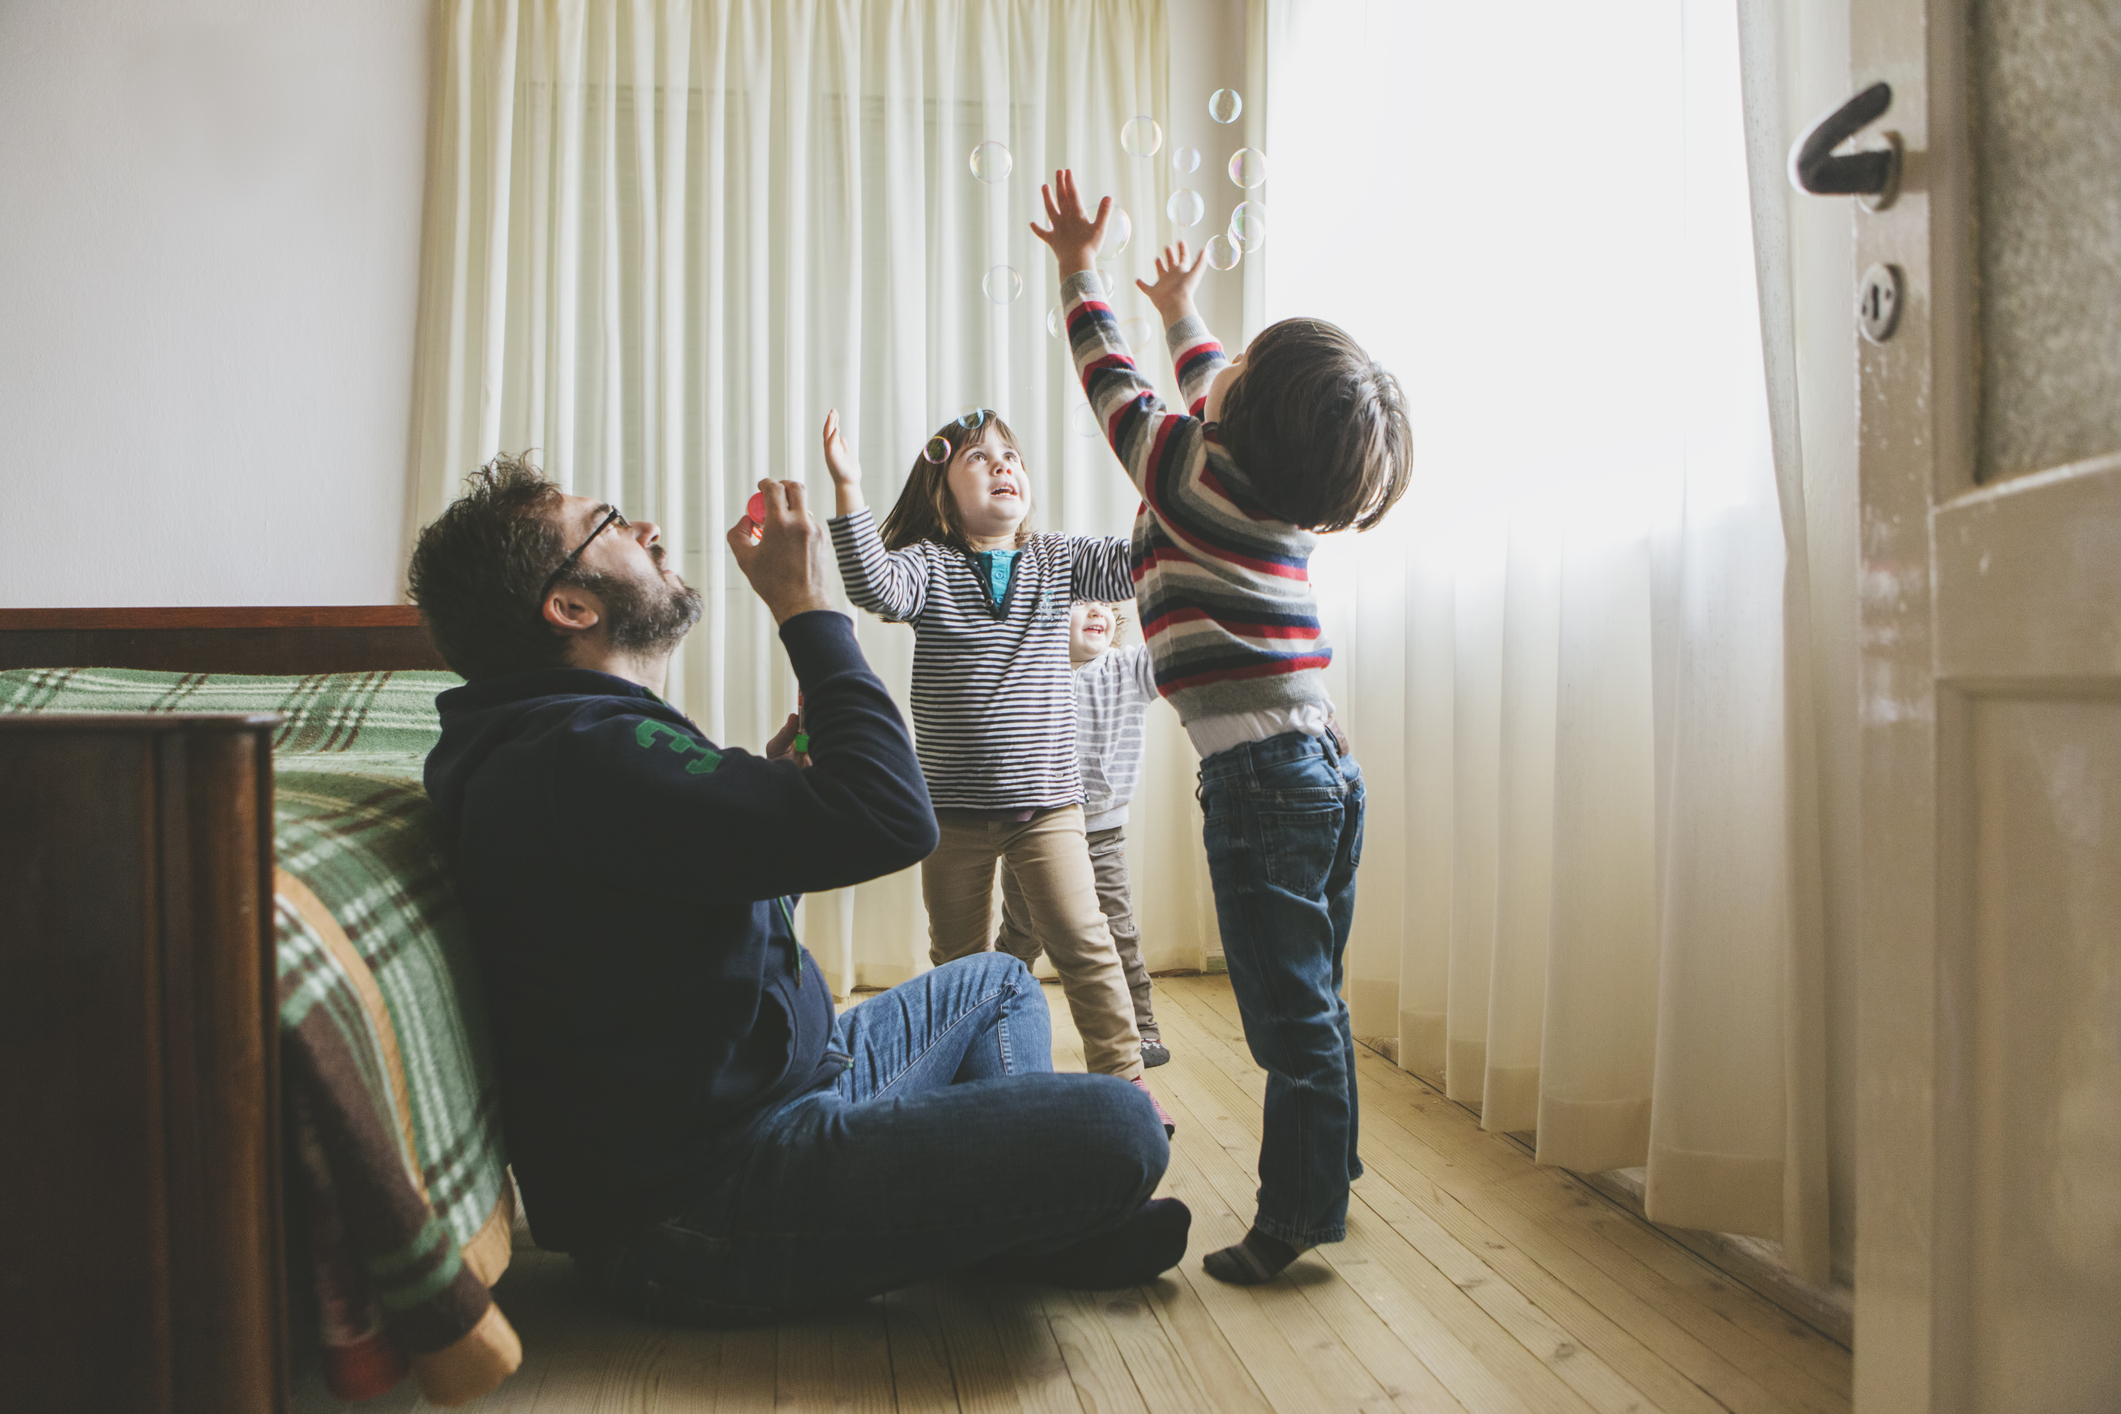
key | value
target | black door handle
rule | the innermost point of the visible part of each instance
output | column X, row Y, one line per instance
column 1876, row 174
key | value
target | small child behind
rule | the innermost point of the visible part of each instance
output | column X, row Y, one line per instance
column 1303, row 433
column 1113, row 689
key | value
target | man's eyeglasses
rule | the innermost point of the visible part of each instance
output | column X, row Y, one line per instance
column 568, row 563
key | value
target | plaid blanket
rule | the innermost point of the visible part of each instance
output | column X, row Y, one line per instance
column 395, row 1107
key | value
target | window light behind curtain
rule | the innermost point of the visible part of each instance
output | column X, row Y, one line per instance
column 663, row 238
column 1589, row 900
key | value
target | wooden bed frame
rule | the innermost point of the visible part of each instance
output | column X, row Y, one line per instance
column 140, row 1119
column 274, row 641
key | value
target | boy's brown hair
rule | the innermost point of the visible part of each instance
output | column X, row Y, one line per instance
column 477, row 567
column 925, row 509
column 1319, row 428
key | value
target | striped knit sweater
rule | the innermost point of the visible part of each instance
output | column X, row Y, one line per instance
column 993, row 697
column 1224, row 586
column 1112, row 696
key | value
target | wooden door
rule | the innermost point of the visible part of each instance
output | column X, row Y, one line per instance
column 1988, row 1266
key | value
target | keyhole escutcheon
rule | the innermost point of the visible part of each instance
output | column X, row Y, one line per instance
column 1878, row 302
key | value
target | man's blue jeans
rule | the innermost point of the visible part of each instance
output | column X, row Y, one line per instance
column 948, row 1140
column 1284, row 835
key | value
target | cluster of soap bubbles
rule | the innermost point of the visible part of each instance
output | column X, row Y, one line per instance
column 1140, row 136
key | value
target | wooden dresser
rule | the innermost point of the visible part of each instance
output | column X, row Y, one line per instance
column 140, row 1247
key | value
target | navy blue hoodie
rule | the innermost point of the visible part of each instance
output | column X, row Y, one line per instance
column 629, row 886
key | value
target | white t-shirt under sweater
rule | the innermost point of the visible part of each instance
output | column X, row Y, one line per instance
column 993, row 708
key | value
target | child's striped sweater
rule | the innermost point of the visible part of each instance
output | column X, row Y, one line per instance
column 993, row 697
column 1224, row 585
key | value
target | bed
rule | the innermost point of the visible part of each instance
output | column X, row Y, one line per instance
column 251, row 1103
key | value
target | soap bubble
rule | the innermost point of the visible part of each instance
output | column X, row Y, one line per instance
column 1141, row 137
column 1118, row 231
column 937, row 451
column 1003, row 284
column 971, row 418
column 1185, row 160
column 1084, row 421
column 1135, row 330
column 991, row 162
column 1055, row 326
column 1222, row 253
column 1248, row 225
column 1248, row 168
column 1224, row 105
column 1185, row 208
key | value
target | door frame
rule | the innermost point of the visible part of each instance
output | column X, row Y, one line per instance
column 1915, row 420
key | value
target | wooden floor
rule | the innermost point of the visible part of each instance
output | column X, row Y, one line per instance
column 1471, row 1280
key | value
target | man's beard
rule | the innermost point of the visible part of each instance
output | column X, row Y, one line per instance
column 651, row 617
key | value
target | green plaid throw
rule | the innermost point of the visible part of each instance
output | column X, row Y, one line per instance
column 350, row 821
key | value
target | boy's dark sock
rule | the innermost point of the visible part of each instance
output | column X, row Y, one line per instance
column 1256, row 1260
column 1154, row 1052
column 1139, row 1250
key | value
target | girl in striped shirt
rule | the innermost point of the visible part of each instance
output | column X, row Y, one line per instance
column 993, row 701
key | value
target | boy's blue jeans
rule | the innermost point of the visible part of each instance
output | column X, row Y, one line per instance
column 948, row 1140
column 1284, row 835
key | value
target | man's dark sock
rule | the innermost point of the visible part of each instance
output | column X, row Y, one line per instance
column 1139, row 1250
column 1256, row 1260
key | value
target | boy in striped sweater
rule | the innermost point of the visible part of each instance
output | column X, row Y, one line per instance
column 1301, row 434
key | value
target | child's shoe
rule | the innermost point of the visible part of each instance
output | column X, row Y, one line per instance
column 1169, row 1128
column 1155, row 1053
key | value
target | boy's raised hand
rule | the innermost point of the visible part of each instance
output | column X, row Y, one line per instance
column 1074, row 236
column 1172, row 294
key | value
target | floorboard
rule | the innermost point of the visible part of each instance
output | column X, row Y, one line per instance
column 1472, row 1282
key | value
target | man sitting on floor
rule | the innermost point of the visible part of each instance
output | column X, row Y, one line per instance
column 684, row 1111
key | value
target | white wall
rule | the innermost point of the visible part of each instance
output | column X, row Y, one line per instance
column 209, row 258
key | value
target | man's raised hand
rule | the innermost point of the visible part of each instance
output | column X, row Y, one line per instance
column 1172, row 293
column 1074, row 236
column 786, row 566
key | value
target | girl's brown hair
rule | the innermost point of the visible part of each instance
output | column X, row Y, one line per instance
column 925, row 509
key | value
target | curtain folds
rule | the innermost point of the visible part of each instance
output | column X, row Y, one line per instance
column 1591, row 901
column 664, row 236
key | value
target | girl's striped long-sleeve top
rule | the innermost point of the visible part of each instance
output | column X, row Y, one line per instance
column 1224, row 585
column 993, row 696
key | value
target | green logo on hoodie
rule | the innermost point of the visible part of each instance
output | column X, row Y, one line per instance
column 706, row 759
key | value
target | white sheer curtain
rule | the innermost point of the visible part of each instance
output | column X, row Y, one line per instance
column 664, row 236
column 1590, row 899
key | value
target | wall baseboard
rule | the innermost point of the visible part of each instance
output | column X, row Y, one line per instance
column 1752, row 1263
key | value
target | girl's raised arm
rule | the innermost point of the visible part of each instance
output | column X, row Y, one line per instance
column 892, row 584
column 1102, row 570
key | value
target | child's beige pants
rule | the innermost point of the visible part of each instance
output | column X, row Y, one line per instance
column 1051, row 861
